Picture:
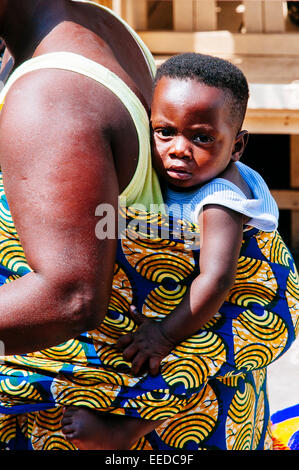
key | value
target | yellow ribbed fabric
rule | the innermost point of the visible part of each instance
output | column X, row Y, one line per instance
column 144, row 187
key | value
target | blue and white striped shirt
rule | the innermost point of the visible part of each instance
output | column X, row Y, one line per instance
column 262, row 209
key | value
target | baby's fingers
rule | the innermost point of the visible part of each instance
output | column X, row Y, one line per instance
column 154, row 365
column 138, row 363
column 129, row 352
column 124, row 341
column 138, row 317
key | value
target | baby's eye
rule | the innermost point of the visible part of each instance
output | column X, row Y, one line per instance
column 164, row 132
column 203, row 138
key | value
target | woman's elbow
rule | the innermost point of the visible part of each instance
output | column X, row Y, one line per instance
column 83, row 308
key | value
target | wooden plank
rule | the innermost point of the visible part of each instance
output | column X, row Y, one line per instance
column 253, row 16
column 272, row 122
column 116, row 6
column 205, row 15
column 183, row 15
column 222, row 43
column 295, row 230
column 136, row 14
column 273, row 16
column 294, row 160
column 286, row 198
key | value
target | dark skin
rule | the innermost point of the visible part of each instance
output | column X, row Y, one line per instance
column 193, row 142
column 53, row 172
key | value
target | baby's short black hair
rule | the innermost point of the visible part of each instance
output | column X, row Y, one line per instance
column 214, row 72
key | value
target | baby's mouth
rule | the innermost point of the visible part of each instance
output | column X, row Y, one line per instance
column 179, row 173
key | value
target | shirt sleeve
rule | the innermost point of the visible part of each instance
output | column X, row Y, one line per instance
column 262, row 211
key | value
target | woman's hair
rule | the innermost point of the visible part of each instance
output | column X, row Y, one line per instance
column 211, row 71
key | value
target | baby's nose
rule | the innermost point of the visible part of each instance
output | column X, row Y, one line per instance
column 180, row 147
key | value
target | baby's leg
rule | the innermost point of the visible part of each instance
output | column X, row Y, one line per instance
column 91, row 430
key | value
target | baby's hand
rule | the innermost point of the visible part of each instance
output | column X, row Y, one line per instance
column 147, row 346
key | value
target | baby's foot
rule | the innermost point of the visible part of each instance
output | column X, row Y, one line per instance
column 89, row 430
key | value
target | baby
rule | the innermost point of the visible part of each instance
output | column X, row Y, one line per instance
column 198, row 108
column 197, row 112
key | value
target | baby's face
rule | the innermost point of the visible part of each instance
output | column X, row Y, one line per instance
column 192, row 137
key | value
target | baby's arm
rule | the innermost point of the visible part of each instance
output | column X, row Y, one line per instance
column 221, row 232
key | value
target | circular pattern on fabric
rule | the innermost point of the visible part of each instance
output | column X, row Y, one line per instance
column 259, row 377
column 204, row 344
column 57, row 442
column 7, row 428
column 231, row 379
column 12, row 257
column 162, row 300
column 114, row 325
column 194, row 423
column 113, row 359
column 70, row 351
column 292, row 296
column 255, row 283
column 158, row 405
column 258, row 339
column 241, row 405
column 253, row 356
column 190, row 374
column 11, row 371
column 157, row 259
column 266, row 327
column 91, row 377
column 193, row 428
column 121, row 295
column 259, row 421
column 273, row 247
column 7, row 228
column 21, row 390
column 49, row 420
column 34, row 360
column 239, row 430
column 65, row 394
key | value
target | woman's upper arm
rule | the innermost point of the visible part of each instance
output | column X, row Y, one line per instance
column 57, row 168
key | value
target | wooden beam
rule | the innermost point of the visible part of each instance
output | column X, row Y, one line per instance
column 116, row 6
column 183, row 15
column 253, row 16
column 222, row 43
column 286, row 198
column 205, row 15
column 272, row 121
column 273, row 16
column 136, row 14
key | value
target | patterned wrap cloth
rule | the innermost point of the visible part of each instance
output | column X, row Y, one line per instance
column 211, row 392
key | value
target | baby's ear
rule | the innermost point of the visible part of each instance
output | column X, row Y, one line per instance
column 240, row 144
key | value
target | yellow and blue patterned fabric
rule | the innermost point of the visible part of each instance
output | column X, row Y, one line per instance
column 211, row 392
column 285, row 428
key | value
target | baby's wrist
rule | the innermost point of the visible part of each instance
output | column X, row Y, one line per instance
column 169, row 337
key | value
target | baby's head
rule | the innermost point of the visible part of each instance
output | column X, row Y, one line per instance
column 198, row 108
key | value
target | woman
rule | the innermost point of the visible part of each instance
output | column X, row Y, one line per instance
column 62, row 156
